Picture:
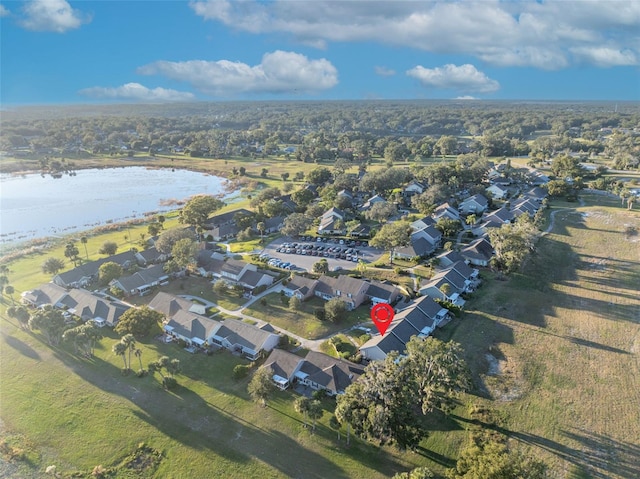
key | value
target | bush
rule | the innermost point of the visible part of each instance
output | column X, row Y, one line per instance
column 169, row 383
column 241, row 371
column 263, row 301
column 259, row 289
column 320, row 314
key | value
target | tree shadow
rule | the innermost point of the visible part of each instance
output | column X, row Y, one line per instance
column 20, row 346
column 436, row 457
column 183, row 415
column 599, row 454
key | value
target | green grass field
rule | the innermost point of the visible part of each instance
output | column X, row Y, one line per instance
column 303, row 323
column 554, row 353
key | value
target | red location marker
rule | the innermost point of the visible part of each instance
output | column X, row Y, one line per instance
column 382, row 315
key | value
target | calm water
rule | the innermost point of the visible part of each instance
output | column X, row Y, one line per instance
column 32, row 206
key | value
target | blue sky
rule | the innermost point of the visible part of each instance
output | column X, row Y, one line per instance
column 59, row 51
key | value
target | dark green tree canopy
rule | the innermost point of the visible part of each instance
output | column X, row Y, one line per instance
column 198, row 209
column 138, row 321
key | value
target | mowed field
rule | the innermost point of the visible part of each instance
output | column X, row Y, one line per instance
column 561, row 344
column 554, row 352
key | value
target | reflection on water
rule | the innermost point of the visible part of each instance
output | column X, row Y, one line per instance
column 33, row 206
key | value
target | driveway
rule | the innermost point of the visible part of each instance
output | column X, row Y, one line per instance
column 306, row 262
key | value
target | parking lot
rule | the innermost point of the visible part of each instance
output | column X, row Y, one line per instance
column 302, row 254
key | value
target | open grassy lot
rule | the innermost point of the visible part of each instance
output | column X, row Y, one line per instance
column 555, row 349
column 79, row 413
column 303, row 323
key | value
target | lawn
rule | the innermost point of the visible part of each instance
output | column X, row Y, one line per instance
column 563, row 339
column 80, row 413
column 303, row 323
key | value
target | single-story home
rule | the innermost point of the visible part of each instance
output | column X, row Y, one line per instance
column 244, row 338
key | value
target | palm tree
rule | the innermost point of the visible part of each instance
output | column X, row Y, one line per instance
column 84, row 241
column 301, row 406
column 315, row 412
column 261, row 227
column 138, row 353
column 120, row 349
column 445, row 289
column 129, row 342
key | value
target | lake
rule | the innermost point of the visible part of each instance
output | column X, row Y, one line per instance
column 33, row 206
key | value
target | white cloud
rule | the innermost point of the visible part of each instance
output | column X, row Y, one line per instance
column 279, row 72
column 137, row 92
column 4, row 12
column 466, row 97
column 519, row 32
column 384, row 71
column 464, row 78
column 51, row 16
column 605, row 56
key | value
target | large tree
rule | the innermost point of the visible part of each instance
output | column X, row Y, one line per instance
column 381, row 211
column 169, row 238
column 392, row 236
column 50, row 322
column 380, row 405
column 71, row 251
column 109, row 271
column 52, row 266
column 512, row 243
column 197, row 210
column 388, row 402
column 184, row 252
column 261, row 386
column 109, row 248
column 335, row 309
column 295, row 224
column 319, row 176
column 138, row 321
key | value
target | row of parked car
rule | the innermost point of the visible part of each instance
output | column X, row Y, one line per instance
column 277, row 263
column 319, row 249
column 324, row 239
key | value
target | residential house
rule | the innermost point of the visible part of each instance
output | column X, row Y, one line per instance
column 377, row 348
column 525, row 205
column 418, row 319
column 244, row 338
column 191, row 327
column 419, row 247
column 88, row 272
column 478, row 253
column 413, row 188
column 222, row 232
column 372, row 201
column 360, row 231
column 301, row 287
column 245, row 274
column 225, row 218
column 536, row 194
column 498, row 192
column 151, row 256
column 446, row 211
column 86, row 305
column 352, row 291
column 322, row 372
column 474, row 204
column 432, row 310
column 210, row 263
column 283, row 365
column 448, row 258
column 142, row 281
column 169, row 305
column 332, row 222
column 379, row 292
column 455, row 286
column 431, row 234
column 423, row 223
column 43, row 295
column 271, row 225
